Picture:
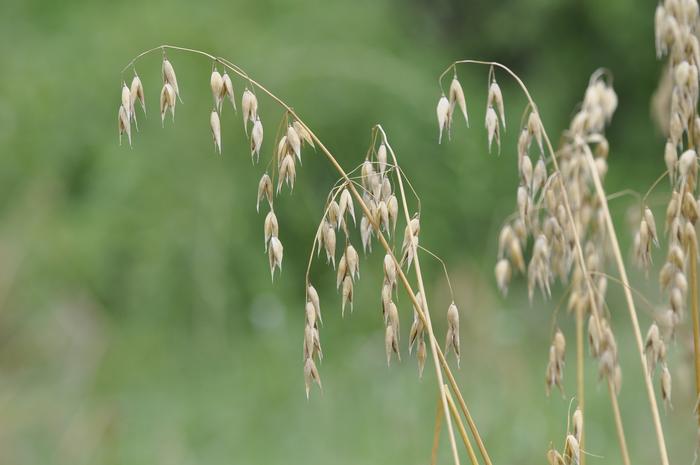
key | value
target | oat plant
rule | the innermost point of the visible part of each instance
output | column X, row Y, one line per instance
column 561, row 230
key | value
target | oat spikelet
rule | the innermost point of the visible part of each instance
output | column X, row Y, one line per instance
column 452, row 341
column 227, row 91
column 294, row 141
column 666, row 387
column 457, row 97
column 276, row 253
column 249, row 105
column 495, row 98
column 443, row 116
column 215, row 130
column 170, row 78
column 256, row 140
column 421, row 355
column 124, row 124
column 303, row 133
column 217, row 88
column 577, row 421
column 391, row 344
column 264, row 191
column 503, row 275
column 345, row 205
column 492, row 130
column 137, row 93
column 167, row 101
column 311, row 376
column 312, row 296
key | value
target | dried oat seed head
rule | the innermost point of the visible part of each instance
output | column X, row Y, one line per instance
column 249, row 105
column 276, row 252
column 457, row 97
column 311, row 375
column 124, row 124
column 256, row 139
column 228, row 90
column 217, row 88
column 215, row 130
column 491, row 123
column 443, row 116
column 495, row 98
column 137, row 93
column 170, row 78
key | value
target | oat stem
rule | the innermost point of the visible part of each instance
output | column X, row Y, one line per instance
column 436, row 433
column 462, row 431
column 630, row 305
column 424, row 298
column 618, row 423
column 580, row 381
column 694, row 310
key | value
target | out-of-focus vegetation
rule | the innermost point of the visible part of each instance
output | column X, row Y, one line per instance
column 138, row 323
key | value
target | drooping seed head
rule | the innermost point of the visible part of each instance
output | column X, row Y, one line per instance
column 443, row 116
column 270, row 227
column 577, row 421
column 381, row 158
column 124, row 124
column 457, row 97
column 347, row 293
column 256, row 139
column 329, row 243
column 303, row 133
column 311, row 375
column 167, row 101
column 452, row 341
column 572, row 451
column 390, row 269
column 137, row 93
column 312, row 296
column 228, row 90
column 126, row 100
column 492, row 131
column 421, row 355
column 666, row 386
column 216, row 83
column 249, row 105
column 495, row 98
column 353, row 260
column 276, row 253
column 169, row 77
column 345, row 205
column 391, row 344
column 503, row 275
column 534, row 126
column 215, row 130
column 294, row 141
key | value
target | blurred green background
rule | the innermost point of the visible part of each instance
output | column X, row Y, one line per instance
column 138, row 323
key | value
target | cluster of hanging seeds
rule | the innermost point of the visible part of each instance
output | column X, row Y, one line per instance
column 676, row 37
column 572, row 448
column 554, row 375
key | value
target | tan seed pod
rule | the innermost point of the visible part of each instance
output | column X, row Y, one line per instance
column 170, row 78
column 366, row 234
column 391, row 344
column 303, row 133
column 124, row 124
column 256, row 140
column 311, row 375
column 559, row 344
column 524, row 141
column 367, row 173
column 309, row 342
column 381, row 158
column 452, row 341
column 264, row 191
column 649, row 218
column 421, row 355
column 137, row 93
column 391, row 317
column 687, row 165
column 652, row 347
column 310, row 312
column 294, row 141
column 389, row 269
column 282, row 148
column 249, row 105
column 126, row 100
column 492, row 131
column 386, row 188
column 287, row 172
column 671, row 159
column 689, row 208
column 416, row 327
column 271, row 227
column 167, row 101
column 347, row 294
column 312, row 296
column 526, row 171
column 540, row 176
column 594, row 336
column 353, row 260
column 443, row 116
column 216, row 83
column 386, row 298
column 276, row 252
column 329, row 243
column 215, row 130
column 495, row 98
column 572, row 451
column 392, row 206
column 227, row 90
column 384, row 217
column 457, row 97
column 503, row 275
column 554, row 457
column 534, row 126
column 342, row 271
column 666, row 386
column 346, row 206
column 577, row 421
column 333, row 214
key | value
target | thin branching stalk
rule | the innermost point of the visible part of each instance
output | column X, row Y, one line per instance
column 630, row 306
column 436, row 432
column 462, row 431
column 580, row 374
column 618, row 423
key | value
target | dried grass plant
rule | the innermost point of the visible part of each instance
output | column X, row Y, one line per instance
column 562, row 229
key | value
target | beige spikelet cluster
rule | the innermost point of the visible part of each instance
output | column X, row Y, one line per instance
column 555, row 367
column 417, row 335
column 572, row 444
column 676, row 37
column 127, row 113
column 542, row 216
column 221, row 88
column 312, row 341
column 494, row 104
column 446, row 108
